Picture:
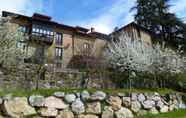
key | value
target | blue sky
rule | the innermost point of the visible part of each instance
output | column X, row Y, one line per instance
column 103, row 15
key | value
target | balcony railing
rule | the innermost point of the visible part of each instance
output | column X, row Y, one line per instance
column 45, row 38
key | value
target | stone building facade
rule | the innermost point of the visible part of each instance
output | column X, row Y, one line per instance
column 55, row 43
column 136, row 32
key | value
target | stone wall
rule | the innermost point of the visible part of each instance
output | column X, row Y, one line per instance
column 27, row 78
column 86, row 105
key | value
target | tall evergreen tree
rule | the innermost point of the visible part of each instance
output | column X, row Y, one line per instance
column 155, row 16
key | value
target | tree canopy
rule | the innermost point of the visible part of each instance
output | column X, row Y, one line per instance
column 155, row 16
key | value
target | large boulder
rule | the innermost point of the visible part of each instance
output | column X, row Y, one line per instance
column 115, row 102
column 93, row 108
column 126, row 101
column 149, row 95
column 172, row 107
column 65, row 114
column 99, row 95
column 78, row 106
column 36, row 100
column 121, row 94
column 69, row 98
column 135, row 106
column 124, row 113
column 78, row 94
column 173, row 96
column 107, row 112
column 87, row 116
column 53, row 102
column 59, row 94
column 85, row 95
column 164, row 109
column 141, row 97
column 48, row 112
column 134, row 96
column 18, row 107
column 156, row 97
column 164, row 100
column 153, row 111
column 182, row 105
column 159, row 105
column 176, row 104
column 148, row 104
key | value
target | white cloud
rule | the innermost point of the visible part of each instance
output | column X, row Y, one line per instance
column 26, row 7
column 179, row 7
column 117, row 14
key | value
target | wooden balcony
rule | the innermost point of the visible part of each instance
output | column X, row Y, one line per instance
column 41, row 38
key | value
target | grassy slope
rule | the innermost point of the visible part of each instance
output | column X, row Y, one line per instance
column 174, row 114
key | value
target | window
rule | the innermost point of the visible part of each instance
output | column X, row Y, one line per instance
column 86, row 49
column 86, row 46
column 44, row 32
column 59, row 39
column 33, row 29
column 40, row 30
column 59, row 53
column 23, row 29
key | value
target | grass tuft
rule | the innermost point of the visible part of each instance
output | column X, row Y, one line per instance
column 174, row 114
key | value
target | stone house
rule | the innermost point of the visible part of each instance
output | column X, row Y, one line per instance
column 136, row 31
column 54, row 43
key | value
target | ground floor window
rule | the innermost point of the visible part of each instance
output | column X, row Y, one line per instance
column 59, row 53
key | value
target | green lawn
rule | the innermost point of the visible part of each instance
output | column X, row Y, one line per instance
column 174, row 114
column 48, row 92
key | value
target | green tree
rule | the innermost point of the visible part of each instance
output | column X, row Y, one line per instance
column 155, row 16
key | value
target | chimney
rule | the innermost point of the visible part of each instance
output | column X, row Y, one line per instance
column 92, row 29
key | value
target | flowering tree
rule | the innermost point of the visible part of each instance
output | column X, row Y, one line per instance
column 9, row 37
column 128, row 54
column 132, row 55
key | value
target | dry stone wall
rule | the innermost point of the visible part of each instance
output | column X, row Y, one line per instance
column 27, row 78
column 89, row 105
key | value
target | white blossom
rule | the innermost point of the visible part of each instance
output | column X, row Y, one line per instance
column 9, row 37
column 132, row 54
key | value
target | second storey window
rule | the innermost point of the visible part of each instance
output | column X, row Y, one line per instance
column 86, row 49
column 59, row 39
column 59, row 53
column 86, row 46
column 40, row 30
column 23, row 29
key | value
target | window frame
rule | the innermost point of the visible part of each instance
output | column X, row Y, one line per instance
column 59, row 53
column 59, row 39
column 43, row 31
